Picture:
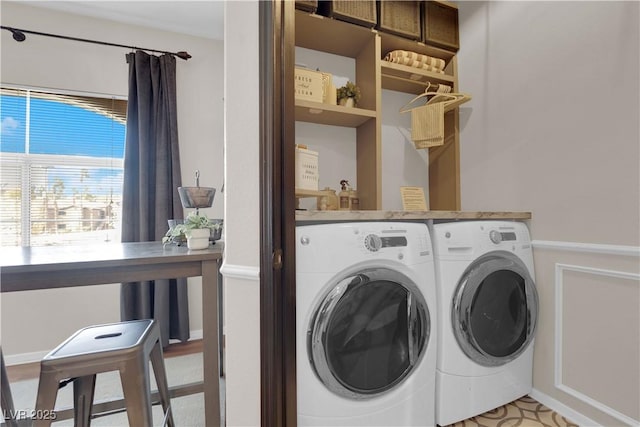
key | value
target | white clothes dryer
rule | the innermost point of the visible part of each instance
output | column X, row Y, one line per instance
column 487, row 316
column 366, row 335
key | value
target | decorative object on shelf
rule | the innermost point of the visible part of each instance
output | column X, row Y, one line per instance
column 440, row 25
column 328, row 89
column 348, row 95
column 413, row 199
column 354, row 200
column 402, row 18
column 416, row 60
column 196, row 230
column 309, row 84
column 360, row 12
column 344, row 196
column 327, row 200
column 196, row 197
column 307, row 174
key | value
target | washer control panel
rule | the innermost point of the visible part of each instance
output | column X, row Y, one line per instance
column 374, row 242
column 501, row 236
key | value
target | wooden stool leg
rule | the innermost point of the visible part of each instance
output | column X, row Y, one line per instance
column 8, row 410
column 83, row 392
column 157, row 361
column 137, row 395
column 46, row 400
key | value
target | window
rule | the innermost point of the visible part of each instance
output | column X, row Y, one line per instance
column 61, row 159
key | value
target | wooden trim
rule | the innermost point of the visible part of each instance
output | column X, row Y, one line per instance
column 288, row 219
column 270, row 369
column 277, row 219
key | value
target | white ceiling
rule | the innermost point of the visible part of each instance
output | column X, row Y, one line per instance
column 197, row 18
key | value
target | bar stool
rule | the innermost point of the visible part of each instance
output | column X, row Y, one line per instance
column 126, row 347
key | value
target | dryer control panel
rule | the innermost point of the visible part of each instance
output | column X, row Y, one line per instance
column 502, row 236
column 374, row 243
column 323, row 247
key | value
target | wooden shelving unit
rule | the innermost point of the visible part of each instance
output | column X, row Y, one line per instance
column 368, row 47
column 336, row 115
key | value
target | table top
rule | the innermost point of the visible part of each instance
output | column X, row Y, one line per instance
column 14, row 259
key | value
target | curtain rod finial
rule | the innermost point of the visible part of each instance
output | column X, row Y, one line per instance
column 184, row 55
column 17, row 34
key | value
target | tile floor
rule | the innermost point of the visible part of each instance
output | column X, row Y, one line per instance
column 524, row 412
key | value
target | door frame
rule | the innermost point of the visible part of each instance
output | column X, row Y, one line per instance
column 277, row 214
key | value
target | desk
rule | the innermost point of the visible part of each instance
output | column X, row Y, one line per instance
column 34, row 268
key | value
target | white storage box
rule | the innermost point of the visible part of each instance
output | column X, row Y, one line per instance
column 308, row 85
column 307, row 175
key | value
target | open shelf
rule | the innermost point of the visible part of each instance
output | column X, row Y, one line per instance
column 330, row 35
column 391, row 42
column 327, row 114
column 403, row 78
column 309, row 193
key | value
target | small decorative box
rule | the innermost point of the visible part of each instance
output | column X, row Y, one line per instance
column 307, row 175
column 308, row 85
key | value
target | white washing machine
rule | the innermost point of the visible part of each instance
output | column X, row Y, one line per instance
column 366, row 335
column 487, row 315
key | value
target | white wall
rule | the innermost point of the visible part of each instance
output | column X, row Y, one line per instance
column 242, row 214
column 553, row 129
column 35, row 322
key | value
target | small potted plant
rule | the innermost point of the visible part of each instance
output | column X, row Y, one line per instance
column 196, row 229
column 348, row 95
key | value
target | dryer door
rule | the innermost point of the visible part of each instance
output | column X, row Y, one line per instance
column 494, row 309
column 368, row 333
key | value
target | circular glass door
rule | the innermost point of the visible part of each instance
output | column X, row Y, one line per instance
column 368, row 333
column 494, row 309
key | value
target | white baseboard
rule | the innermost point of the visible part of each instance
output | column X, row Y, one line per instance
column 36, row 356
column 563, row 409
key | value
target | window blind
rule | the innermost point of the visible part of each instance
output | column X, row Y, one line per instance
column 62, row 168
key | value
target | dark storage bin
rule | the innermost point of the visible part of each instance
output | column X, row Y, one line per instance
column 307, row 5
column 440, row 25
column 361, row 12
column 400, row 17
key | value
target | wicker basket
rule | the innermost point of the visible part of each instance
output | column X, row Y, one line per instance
column 440, row 25
column 361, row 12
column 307, row 5
column 400, row 17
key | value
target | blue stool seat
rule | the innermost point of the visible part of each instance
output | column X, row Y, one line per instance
column 127, row 347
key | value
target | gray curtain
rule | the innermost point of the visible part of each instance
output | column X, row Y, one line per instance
column 150, row 197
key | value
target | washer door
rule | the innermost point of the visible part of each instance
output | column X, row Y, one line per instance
column 368, row 333
column 494, row 309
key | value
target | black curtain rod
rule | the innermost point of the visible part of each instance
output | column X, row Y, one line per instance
column 18, row 35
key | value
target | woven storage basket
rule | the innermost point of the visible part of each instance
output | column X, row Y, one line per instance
column 361, row 12
column 307, row 5
column 400, row 17
column 440, row 25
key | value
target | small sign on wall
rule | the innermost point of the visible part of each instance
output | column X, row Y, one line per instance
column 413, row 199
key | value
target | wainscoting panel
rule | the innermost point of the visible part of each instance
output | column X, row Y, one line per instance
column 588, row 342
column 598, row 321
